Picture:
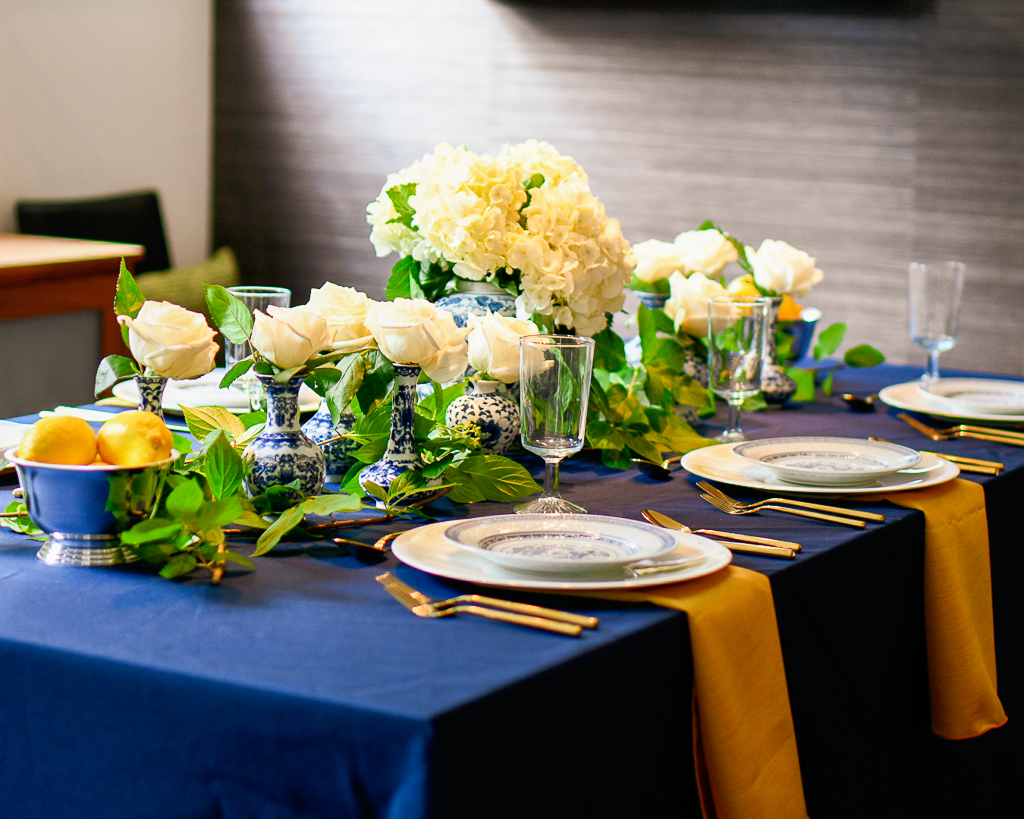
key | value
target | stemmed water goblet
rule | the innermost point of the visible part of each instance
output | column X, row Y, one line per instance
column 737, row 340
column 935, row 294
column 254, row 298
column 554, row 385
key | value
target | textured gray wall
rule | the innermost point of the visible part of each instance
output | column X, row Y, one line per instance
column 867, row 138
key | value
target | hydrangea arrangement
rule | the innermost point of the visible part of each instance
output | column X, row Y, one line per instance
column 524, row 220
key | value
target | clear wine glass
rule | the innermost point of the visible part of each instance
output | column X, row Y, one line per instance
column 255, row 298
column 554, row 385
column 935, row 294
column 737, row 341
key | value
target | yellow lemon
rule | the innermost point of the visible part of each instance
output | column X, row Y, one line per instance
column 134, row 438
column 59, row 439
column 789, row 310
column 743, row 286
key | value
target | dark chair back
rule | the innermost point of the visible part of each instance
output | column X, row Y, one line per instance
column 132, row 218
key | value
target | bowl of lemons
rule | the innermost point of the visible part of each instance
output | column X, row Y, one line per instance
column 83, row 487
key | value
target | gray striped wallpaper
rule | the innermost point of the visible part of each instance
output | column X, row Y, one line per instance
column 867, row 134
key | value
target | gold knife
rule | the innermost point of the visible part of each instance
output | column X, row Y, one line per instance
column 936, row 435
column 751, row 545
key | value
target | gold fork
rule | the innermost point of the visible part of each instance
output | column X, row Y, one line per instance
column 965, row 431
column 497, row 603
column 729, row 509
column 388, row 581
column 821, row 507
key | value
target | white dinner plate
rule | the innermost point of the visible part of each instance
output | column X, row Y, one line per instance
column 11, row 434
column 820, row 460
column 720, row 463
column 910, row 396
column 559, row 544
column 987, row 396
column 425, row 549
column 204, row 392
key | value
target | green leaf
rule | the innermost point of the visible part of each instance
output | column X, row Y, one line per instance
column 826, row 385
column 151, row 530
column 402, row 282
column 648, row 334
column 351, row 371
column 238, row 369
column 234, row 557
column 327, row 505
column 804, row 383
column 399, row 196
column 217, row 513
column 287, row 521
column 434, row 279
column 252, row 419
column 829, row 340
column 609, row 351
column 659, row 287
column 378, row 374
column 24, row 523
column 863, row 355
column 113, row 370
column 535, row 181
column 129, row 298
column 185, row 500
column 251, row 519
column 755, row 403
column 181, row 444
column 179, row 565
column 663, row 322
column 203, row 420
column 229, row 313
column 222, row 465
column 490, row 477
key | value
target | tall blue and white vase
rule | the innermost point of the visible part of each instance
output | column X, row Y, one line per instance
column 337, row 454
column 776, row 386
column 282, row 452
column 477, row 299
column 151, row 393
column 495, row 415
column 400, row 455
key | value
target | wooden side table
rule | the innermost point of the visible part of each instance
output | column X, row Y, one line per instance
column 44, row 275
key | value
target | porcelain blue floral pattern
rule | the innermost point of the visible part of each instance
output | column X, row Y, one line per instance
column 496, row 415
column 337, row 455
column 282, row 453
column 151, row 393
column 464, row 305
column 400, row 456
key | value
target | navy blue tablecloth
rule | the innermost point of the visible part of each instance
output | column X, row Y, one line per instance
column 303, row 690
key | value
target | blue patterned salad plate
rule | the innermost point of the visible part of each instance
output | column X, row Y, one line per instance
column 560, row 544
column 826, row 461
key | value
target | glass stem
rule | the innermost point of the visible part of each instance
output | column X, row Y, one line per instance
column 933, row 364
column 551, row 478
column 733, row 426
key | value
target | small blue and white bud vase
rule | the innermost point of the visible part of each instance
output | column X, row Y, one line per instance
column 495, row 415
column 337, row 454
column 282, row 453
column 151, row 393
column 776, row 386
column 400, row 456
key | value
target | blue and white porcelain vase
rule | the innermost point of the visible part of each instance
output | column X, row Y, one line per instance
column 282, row 453
column 400, row 456
column 495, row 415
column 776, row 386
column 477, row 299
column 151, row 393
column 337, row 454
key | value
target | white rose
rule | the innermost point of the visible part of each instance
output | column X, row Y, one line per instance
column 344, row 310
column 289, row 336
column 705, row 251
column 783, row 270
column 688, row 302
column 494, row 345
column 657, row 260
column 414, row 331
column 170, row 340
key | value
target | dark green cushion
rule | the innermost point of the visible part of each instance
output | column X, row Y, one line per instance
column 184, row 285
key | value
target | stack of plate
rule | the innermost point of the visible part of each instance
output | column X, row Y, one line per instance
column 819, row 465
column 996, row 402
column 557, row 552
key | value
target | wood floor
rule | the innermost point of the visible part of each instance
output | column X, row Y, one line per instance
column 888, row 132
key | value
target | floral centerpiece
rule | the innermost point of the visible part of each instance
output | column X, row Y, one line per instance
column 525, row 221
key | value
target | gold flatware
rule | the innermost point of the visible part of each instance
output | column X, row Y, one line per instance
column 965, row 431
column 750, row 545
column 388, row 581
column 659, row 519
column 966, row 464
column 380, row 545
column 821, row 507
column 729, row 509
column 497, row 603
column 655, row 470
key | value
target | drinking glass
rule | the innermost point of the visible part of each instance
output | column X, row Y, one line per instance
column 554, row 385
column 935, row 293
column 255, row 298
column 737, row 342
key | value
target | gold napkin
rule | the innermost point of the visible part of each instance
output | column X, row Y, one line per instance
column 744, row 743
column 957, row 608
